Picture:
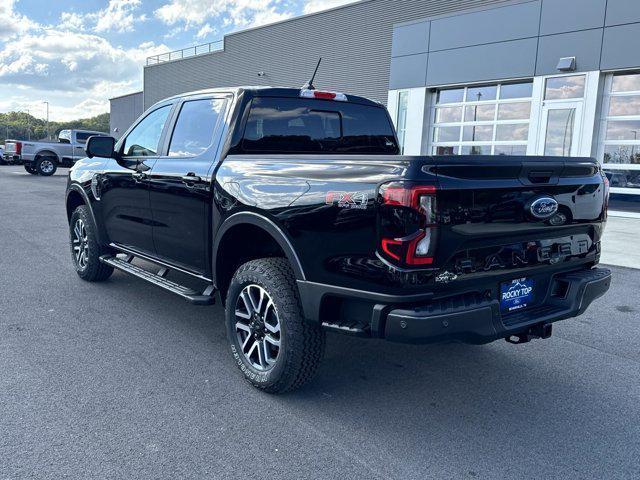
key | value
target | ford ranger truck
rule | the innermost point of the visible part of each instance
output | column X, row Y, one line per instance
column 294, row 209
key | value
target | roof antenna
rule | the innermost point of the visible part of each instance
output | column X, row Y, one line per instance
column 310, row 86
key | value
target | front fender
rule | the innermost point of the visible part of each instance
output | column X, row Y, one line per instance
column 76, row 188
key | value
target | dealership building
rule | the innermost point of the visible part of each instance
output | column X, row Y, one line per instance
column 483, row 77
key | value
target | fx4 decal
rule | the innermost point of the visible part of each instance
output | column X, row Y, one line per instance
column 357, row 200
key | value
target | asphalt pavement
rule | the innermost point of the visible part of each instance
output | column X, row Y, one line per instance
column 123, row 380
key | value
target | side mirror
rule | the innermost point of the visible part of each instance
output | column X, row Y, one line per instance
column 100, row 146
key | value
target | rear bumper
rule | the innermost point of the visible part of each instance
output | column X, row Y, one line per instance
column 12, row 159
column 470, row 318
column 484, row 322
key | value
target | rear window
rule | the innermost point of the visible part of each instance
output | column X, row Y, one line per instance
column 82, row 137
column 291, row 125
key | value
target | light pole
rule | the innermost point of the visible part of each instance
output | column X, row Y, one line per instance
column 48, row 133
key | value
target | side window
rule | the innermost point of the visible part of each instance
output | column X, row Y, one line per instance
column 82, row 137
column 144, row 138
column 195, row 127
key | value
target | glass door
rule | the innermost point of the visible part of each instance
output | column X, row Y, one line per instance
column 561, row 126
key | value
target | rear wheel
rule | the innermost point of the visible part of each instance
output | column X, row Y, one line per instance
column 85, row 249
column 272, row 344
column 31, row 169
column 46, row 166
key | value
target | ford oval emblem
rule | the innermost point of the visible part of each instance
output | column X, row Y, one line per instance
column 543, row 207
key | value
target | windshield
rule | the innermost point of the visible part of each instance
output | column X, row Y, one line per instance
column 307, row 126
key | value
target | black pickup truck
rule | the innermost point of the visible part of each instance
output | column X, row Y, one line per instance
column 294, row 209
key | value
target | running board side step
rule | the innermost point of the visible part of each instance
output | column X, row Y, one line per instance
column 124, row 265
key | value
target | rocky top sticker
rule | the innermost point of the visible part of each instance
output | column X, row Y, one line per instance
column 516, row 294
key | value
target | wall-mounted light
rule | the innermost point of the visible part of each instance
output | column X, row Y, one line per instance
column 567, row 64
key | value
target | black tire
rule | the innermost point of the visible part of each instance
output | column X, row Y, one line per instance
column 301, row 344
column 90, row 268
column 46, row 166
column 31, row 170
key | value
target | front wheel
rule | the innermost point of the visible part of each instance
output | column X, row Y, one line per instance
column 85, row 249
column 272, row 344
column 46, row 166
column 31, row 169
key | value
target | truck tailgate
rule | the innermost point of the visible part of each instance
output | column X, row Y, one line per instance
column 498, row 215
column 10, row 148
column 509, row 213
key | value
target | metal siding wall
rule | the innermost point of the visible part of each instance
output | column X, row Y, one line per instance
column 494, row 61
column 584, row 45
column 559, row 16
column 619, row 47
column 513, row 40
column 622, row 11
column 124, row 111
column 512, row 22
column 354, row 41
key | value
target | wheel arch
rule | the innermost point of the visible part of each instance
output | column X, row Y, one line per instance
column 260, row 236
column 46, row 153
column 76, row 196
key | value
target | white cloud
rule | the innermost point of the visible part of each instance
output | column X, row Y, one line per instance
column 72, row 21
column 237, row 13
column 318, row 5
column 70, row 65
column 13, row 23
column 204, row 31
column 119, row 16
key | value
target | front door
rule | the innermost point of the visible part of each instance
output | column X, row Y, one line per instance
column 125, row 206
column 180, row 184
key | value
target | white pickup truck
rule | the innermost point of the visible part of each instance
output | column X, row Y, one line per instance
column 44, row 158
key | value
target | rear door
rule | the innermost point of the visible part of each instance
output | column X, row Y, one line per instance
column 79, row 144
column 180, row 182
column 124, row 200
column 64, row 148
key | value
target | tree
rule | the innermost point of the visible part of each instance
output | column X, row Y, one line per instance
column 23, row 126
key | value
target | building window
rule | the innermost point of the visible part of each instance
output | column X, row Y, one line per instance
column 620, row 136
column 482, row 120
column 401, row 120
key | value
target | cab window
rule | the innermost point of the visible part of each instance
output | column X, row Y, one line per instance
column 196, row 124
column 292, row 125
column 144, row 138
column 82, row 137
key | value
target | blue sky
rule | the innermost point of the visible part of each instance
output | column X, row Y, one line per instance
column 76, row 54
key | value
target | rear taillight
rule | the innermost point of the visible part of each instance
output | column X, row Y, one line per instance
column 605, row 179
column 408, row 223
column 18, row 148
column 323, row 95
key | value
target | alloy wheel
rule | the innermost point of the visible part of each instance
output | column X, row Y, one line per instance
column 80, row 243
column 257, row 327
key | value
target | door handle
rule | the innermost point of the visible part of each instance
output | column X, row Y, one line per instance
column 139, row 176
column 191, row 178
